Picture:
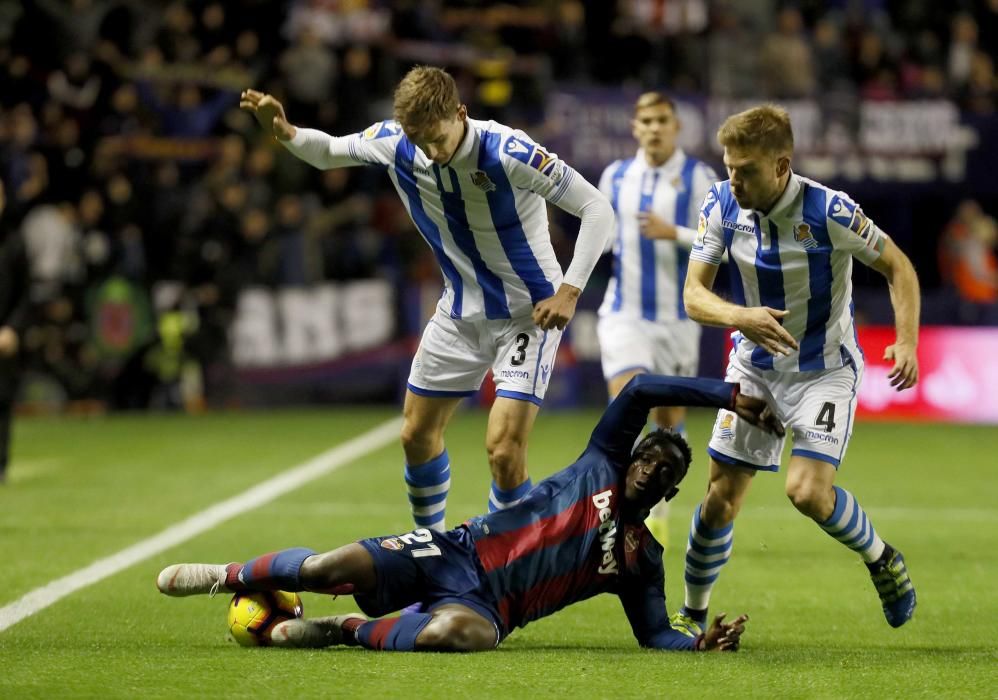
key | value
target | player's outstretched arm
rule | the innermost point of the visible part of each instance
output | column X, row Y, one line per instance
column 758, row 413
column 723, row 636
column 269, row 111
column 760, row 324
column 902, row 280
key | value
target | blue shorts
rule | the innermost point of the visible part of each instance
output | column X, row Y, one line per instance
column 428, row 567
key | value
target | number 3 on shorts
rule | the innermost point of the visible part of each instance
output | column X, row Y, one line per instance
column 522, row 341
column 421, row 536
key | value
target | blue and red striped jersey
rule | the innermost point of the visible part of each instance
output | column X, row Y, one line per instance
column 574, row 536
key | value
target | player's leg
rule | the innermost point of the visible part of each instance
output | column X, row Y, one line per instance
column 676, row 351
column 711, row 540
column 510, row 423
column 427, row 464
column 821, row 427
column 449, row 365
column 451, row 627
column 346, row 570
column 523, row 358
column 738, row 450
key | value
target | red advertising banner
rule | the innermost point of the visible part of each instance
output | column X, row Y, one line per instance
column 958, row 379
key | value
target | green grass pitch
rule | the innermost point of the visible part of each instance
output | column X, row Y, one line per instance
column 82, row 489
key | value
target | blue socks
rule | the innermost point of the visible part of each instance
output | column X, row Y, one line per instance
column 706, row 553
column 501, row 500
column 428, row 484
column 850, row 525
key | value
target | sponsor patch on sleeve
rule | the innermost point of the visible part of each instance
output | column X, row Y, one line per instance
column 849, row 215
column 701, row 231
column 381, row 130
column 536, row 157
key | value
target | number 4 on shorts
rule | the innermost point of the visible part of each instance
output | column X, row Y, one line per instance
column 826, row 417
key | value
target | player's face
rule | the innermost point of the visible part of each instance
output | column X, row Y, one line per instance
column 652, row 475
column 655, row 127
column 755, row 176
column 440, row 140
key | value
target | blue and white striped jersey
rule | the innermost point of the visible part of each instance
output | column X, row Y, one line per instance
column 483, row 214
column 797, row 257
column 648, row 275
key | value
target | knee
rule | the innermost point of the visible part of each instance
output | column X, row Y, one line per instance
column 719, row 508
column 505, row 451
column 810, row 498
column 445, row 632
column 415, row 437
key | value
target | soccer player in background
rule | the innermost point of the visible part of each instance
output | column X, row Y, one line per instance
column 578, row 533
column 476, row 191
column 15, row 307
column 790, row 243
column 643, row 325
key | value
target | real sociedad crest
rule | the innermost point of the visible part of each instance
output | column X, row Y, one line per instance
column 481, row 180
column 803, row 235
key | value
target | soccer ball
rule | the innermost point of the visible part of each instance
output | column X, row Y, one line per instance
column 253, row 616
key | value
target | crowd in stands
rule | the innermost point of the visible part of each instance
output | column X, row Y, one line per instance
column 147, row 200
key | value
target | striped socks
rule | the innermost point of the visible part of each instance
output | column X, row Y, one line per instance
column 428, row 484
column 706, row 553
column 391, row 633
column 501, row 500
column 850, row 525
column 269, row 572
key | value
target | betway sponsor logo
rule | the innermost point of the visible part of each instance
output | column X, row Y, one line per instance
column 607, row 532
column 745, row 228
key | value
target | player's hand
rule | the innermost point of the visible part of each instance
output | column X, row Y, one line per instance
column 724, row 636
column 758, row 413
column 557, row 311
column 761, row 325
column 655, row 227
column 9, row 342
column 269, row 112
column 905, row 372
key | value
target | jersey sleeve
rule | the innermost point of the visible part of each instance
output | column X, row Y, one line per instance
column 530, row 167
column 704, row 178
column 373, row 146
column 852, row 231
column 625, row 417
column 708, row 246
column 643, row 599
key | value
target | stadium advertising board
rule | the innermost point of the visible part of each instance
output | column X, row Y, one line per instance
column 958, row 376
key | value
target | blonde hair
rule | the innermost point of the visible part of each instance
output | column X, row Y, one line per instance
column 766, row 127
column 652, row 99
column 425, row 96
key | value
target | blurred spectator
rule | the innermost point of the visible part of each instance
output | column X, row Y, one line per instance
column 786, row 60
column 968, row 261
column 309, row 71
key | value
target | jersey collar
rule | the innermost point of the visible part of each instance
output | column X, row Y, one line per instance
column 673, row 163
column 786, row 199
column 465, row 157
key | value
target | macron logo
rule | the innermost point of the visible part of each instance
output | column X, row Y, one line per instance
column 607, row 533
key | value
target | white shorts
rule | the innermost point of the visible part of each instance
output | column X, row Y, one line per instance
column 669, row 347
column 454, row 355
column 816, row 407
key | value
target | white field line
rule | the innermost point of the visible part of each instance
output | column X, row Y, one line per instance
column 262, row 493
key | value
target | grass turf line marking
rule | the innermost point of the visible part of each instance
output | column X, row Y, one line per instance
column 264, row 492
